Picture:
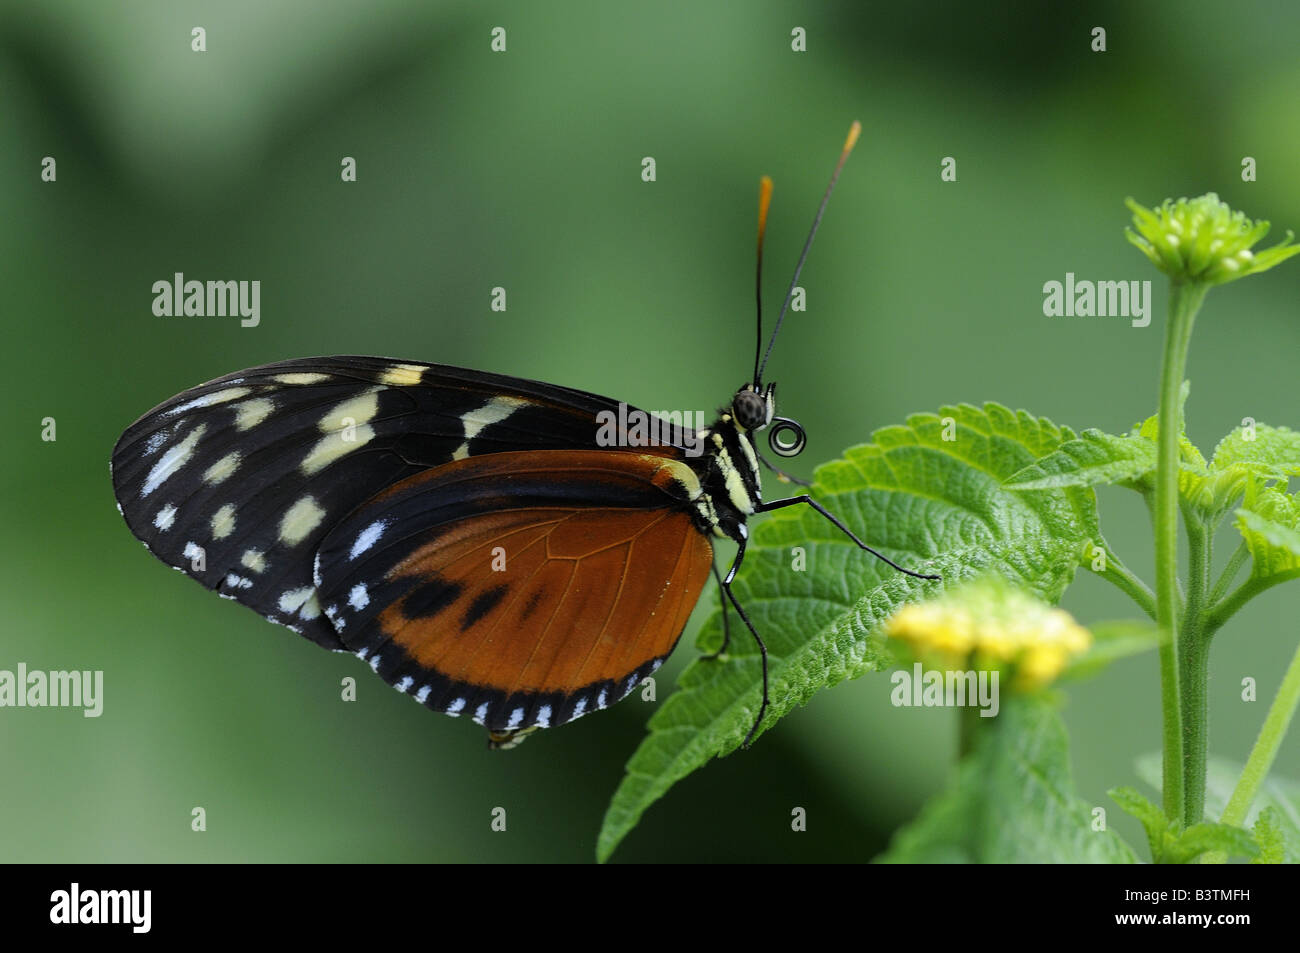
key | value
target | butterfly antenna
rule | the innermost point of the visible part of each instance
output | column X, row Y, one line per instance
column 849, row 142
column 764, row 200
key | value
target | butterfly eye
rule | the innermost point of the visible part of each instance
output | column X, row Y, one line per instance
column 750, row 410
column 786, row 438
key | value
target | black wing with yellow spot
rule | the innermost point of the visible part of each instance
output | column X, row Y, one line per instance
column 236, row 482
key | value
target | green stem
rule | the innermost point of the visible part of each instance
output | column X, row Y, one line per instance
column 1265, row 750
column 1123, row 579
column 1194, row 671
column 1149, row 497
column 1228, row 606
column 1184, row 300
column 1235, row 562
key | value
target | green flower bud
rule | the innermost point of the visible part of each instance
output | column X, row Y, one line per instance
column 1202, row 240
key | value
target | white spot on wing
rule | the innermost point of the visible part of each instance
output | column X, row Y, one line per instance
column 374, row 663
column 292, row 600
column 172, row 460
column 544, row 716
column 333, row 447
column 580, row 707
column 310, row 609
column 303, row 517
column 480, row 713
column 155, row 442
column 238, row 582
column 222, row 468
column 516, row 717
column 359, row 598
column 423, row 694
column 405, row 684
column 493, row 412
column 166, row 516
column 403, row 375
column 253, row 559
column 223, row 521
column 300, row 378
column 250, row 413
column 354, row 412
column 455, row 707
column 208, row 400
column 367, row 538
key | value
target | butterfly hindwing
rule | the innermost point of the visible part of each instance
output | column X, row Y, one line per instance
column 237, row 481
column 519, row 589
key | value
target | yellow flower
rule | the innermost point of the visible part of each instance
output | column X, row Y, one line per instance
column 988, row 625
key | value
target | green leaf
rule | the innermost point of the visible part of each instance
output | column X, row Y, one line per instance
column 1280, row 794
column 1169, row 845
column 1101, row 458
column 1260, row 452
column 930, row 503
column 1240, row 463
column 1012, row 801
column 1210, row 836
column 1093, row 458
column 1269, row 837
column 1273, row 454
column 1113, row 641
column 1153, row 819
column 1269, row 521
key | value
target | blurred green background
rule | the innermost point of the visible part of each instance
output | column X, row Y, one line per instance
column 522, row 169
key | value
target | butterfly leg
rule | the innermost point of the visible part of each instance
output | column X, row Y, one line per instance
column 792, row 501
column 780, row 474
column 762, row 649
column 726, row 621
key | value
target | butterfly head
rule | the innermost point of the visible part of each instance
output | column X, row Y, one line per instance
column 754, row 408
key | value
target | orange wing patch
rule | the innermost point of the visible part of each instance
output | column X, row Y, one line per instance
column 521, row 592
column 583, row 596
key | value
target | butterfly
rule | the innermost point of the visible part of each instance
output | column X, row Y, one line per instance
column 503, row 549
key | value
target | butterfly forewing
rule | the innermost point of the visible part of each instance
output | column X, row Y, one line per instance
column 519, row 589
column 236, row 482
